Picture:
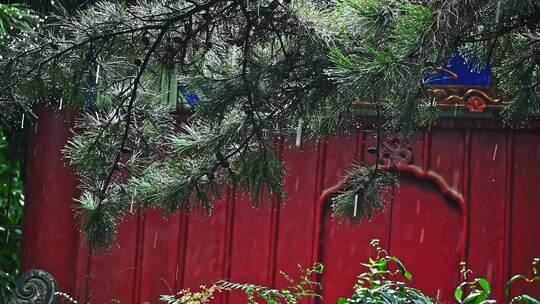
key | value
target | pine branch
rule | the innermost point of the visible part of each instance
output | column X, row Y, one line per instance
column 255, row 69
column 136, row 83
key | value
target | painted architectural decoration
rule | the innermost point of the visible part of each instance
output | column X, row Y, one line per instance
column 463, row 84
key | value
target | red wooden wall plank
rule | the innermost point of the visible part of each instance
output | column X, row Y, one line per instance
column 487, row 207
column 50, row 239
column 296, row 217
column 179, row 267
column 250, row 245
column 419, row 145
column 425, row 236
column 160, row 253
column 494, row 170
column 446, row 156
column 525, row 224
column 344, row 248
column 82, row 279
column 112, row 275
column 205, row 247
column 426, row 227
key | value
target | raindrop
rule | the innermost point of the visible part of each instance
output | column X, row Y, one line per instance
column 495, row 152
column 355, row 204
column 489, row 271
column 422, row 235
column 97, row 73
column 155, row 240
column 22, row 121
column 299, row 132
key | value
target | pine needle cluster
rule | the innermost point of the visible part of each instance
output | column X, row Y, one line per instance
column 258, row 70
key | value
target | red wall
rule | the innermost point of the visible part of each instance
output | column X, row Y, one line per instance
column 472, row 193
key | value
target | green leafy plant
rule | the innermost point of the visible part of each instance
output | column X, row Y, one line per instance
column 378, row 284
column 186, row 296
column 475, row 291
column 11, row 213
column 304, row 287
column 478, row 290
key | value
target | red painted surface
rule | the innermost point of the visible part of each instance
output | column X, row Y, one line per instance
column 473, row 193
column 51, row 240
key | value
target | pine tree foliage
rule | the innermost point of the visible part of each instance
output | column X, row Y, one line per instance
column 363, row 195
column 16, row 18
column 261, row 70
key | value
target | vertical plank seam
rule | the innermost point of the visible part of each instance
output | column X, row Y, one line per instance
column 225, row 238
column 466, row 190
column 319, row 184
column 139, row 255
column 185, row 244
column 316, row 247
column 76, row 263
column 229, row 241
column 274, row 232
column 274, row 229
column 88, row 275
column 391, row 216
column 178, row 251
column 181, row 251
column 509, row 201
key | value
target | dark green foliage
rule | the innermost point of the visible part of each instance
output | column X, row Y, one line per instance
column 363, row 194
column 379, row 285
column 261, row 172
column 16, row 19
column 478, row 290
column 263, row 69
column 11, row 213
column 98, row 223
